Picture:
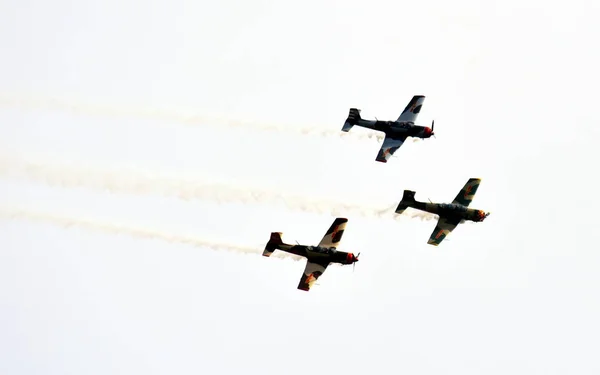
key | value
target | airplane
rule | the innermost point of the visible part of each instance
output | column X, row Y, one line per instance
column 317, row 257
column 451, row 214
column 397, row 131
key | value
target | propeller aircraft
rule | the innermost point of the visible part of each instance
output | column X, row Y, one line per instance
column 451, row 214
column 318, row 257
column 397, row 131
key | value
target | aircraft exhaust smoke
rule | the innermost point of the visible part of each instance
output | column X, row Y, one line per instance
column 190, row 119
column 134, row 182
column 145, row 233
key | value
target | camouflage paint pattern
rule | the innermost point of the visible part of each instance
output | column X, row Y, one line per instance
column 397, row 131
column 467, row 193
column 451, row 214
column 318, row 257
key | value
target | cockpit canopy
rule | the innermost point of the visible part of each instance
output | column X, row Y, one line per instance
column 319, row 249
column 403, row 125
column 453, row 207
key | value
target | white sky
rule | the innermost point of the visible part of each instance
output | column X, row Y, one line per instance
column 92, row 101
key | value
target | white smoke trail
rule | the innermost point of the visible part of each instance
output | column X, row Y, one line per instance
column 190, row 119
column 133, row 182
column 147, row 233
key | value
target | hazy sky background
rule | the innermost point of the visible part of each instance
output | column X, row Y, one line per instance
column 104, row 111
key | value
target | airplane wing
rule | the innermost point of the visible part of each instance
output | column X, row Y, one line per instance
column 311, row 273
column 389, row 146
column 442, row 229
column 334, row 234
column 412, row 110
column 467, row 193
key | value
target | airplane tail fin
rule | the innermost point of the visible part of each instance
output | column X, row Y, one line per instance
column 273, row 243
column 408, row 199
column 352, row 119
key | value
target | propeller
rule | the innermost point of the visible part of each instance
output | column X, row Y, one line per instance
column 354, row 263
column 432, row 132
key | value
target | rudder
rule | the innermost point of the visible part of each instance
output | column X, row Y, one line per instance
column 408, row 199
column 273, row 243
column 353, row 117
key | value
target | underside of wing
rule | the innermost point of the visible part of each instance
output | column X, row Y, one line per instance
column 389, row 146
column 311, row 273
column 412, row 110
column 467, row 193
column 442, row 229
column 334, row 234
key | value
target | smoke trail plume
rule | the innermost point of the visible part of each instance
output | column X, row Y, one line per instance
column 146, row 233
column 134, row 182
column 191, row 119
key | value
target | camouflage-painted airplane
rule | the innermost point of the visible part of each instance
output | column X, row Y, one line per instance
column 397, row 131
column 317, row 257
column 450, row 214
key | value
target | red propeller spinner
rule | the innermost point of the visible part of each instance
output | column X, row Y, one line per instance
column 352, row 259
column 429, row 131
column 481, row 215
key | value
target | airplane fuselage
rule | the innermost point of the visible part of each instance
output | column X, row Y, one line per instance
column 452, row 211
column 396, row 129
column 318, row 254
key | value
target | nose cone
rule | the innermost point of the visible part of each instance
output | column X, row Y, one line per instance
column 428, row 132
